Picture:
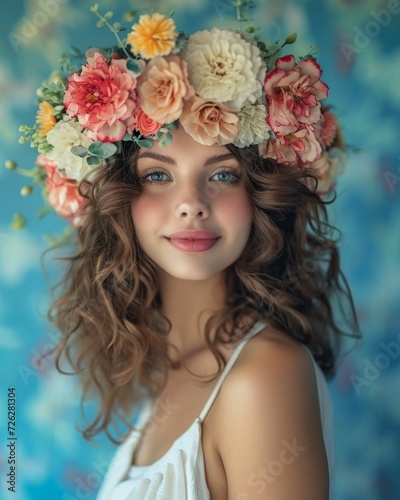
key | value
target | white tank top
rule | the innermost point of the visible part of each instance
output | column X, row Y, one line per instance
column 180, row 473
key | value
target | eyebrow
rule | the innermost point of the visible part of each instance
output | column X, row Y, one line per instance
column 170, row 161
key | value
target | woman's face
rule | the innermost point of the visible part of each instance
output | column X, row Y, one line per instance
column 188, row 186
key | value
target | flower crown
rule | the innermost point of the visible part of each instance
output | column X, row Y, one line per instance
column 221, row 86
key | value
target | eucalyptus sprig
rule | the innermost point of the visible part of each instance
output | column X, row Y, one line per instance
column 53, row 92
column 66, row 64
column 32, row 135
column 114, row 28
column 96, row 152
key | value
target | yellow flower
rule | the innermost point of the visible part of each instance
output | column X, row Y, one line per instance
column 153, row 36
column 45, row 118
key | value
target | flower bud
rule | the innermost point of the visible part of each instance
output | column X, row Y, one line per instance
column 26, row 190
column 18, row 221
column 11, row 165
column 130, row 16
column 291, row 38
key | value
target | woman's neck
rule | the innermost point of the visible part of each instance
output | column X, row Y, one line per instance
column 188, row 305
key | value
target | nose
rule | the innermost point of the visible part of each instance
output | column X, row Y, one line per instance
column 193, row 205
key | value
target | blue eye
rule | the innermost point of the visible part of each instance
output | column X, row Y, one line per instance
column 154, row 177
column 227, row 177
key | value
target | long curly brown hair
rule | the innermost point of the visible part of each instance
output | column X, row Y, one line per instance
column 107, row 309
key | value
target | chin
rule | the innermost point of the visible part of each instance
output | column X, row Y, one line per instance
column 193, row 272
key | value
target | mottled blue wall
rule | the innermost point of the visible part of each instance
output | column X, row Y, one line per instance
column 361, row 61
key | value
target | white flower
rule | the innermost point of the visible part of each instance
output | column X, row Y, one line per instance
column 225, row 68
column 254, row 128
column 63, row 136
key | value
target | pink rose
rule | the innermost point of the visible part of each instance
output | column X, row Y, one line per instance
column 103, row 98
column 298, row 148
column 209, row 122
column 293, row 93
column 145, row 124
column 163, row 86
column 62, row 193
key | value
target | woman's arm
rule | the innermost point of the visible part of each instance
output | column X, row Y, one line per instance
column 269, row 429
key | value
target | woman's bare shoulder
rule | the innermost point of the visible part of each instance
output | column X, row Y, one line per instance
column 270, row 404
column 272, row 364
column 274, row 344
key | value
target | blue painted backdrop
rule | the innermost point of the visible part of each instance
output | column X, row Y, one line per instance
column 361, row 61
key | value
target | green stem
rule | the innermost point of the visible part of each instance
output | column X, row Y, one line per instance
column 23, row 171
column 238, row 18
column 115, row 33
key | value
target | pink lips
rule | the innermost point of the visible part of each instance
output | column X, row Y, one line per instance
column 193, row 241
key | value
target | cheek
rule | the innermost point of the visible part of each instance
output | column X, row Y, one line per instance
column 145, row 211
column 143, row 216
column 237, row 212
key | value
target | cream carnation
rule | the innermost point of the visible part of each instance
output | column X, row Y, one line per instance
column 225, row 68
column 254, row 128
column 63, row 136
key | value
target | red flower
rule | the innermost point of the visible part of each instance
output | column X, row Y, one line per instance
column 103, row 98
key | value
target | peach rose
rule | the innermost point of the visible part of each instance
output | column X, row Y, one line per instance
column 209, row 122
column 163, row 86
column 145, row 124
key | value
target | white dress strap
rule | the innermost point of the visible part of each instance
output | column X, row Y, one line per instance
column 231, row 361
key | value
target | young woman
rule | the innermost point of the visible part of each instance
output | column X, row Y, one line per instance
column 201, row 293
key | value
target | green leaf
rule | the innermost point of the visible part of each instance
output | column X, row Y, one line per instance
column 145, row 143
column 166, row 141
column 93, row 160
column 95, row 7
column 123, row 28
column 108, row 15
column 172, row 126
column 102, row 149
column 133, row 66
column 117, row 26
column 181, row 42
column 75, row 51
column 100, row 23
column 79, row 151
